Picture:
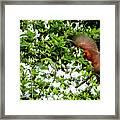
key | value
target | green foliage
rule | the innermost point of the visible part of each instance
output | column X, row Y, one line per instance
column 51, row 67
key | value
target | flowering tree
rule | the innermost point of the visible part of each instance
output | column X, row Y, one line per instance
column 51, row 67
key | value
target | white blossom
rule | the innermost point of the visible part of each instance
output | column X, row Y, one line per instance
column 50, row 98
column 47, row 37
column 30, row 27
column 66, row 81
column 55, row 84
column 28, row 85
column 21, row 32
column 72, row 89
column 36, row 33
column 69, row 65
column 83, row 86
column 44, row 98
column 73, row 83
column 50, row 68
column 61, row 95
column 51, row 79
column 75, row 74
column 66, row 76
column 51, row 94
column 67, row 90
column 93, row 91
column 60, row 73
column 78, row 67
column 77, row 24
column 37, row 90
column 61, row 89
column 46, row 24
column 27, row 94
column 23, row 64
column 28, row 67
column 46, row 80
column 55, row 97
column 98, row 87
column 46, row 71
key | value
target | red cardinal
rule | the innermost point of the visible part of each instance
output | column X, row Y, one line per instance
column 91, row 52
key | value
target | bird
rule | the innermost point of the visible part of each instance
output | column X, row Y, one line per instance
column 90, row 50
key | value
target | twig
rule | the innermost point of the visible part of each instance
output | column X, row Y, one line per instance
column 84, row 81
column 97, row 75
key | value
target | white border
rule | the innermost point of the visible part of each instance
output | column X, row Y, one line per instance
column 104, row 13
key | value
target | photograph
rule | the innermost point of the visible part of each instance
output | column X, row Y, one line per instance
column 60, row 53
column 59, row 59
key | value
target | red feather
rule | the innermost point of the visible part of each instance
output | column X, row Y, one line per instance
column 90, row 50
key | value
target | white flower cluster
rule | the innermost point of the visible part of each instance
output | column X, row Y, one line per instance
column 71, row 79
column 52, row 97
column 36, row 33
column 27, row 69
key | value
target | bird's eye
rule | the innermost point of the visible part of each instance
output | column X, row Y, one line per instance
column 87, row 54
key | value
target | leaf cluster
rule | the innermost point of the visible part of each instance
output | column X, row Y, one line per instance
column 51, row 66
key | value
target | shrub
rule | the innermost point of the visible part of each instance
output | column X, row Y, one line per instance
column 51, row 67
